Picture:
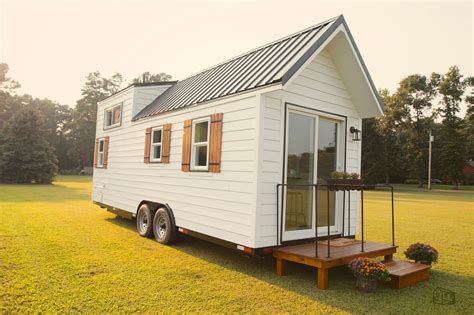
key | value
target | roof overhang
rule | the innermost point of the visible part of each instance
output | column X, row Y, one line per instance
column 338, row 40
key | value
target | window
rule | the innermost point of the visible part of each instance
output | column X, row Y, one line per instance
column 100, row 153
column 200, row 144
column 156, row 144
column 113, row 117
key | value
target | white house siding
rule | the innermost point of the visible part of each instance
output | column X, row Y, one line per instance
column 144, row 95
column 221, row 205
column 318, row 86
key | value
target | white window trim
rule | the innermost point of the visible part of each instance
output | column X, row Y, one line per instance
column 111, row 109
column 196, row 144
column 100, row 154
column 152, row 145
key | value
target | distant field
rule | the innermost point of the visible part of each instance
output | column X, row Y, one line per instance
column 61, row 253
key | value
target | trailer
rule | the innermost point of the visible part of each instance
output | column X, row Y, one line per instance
column 208, row 155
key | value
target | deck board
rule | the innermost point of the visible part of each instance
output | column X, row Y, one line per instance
column 339, row 255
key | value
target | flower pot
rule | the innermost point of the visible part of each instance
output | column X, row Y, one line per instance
column 365, row 285
column 425, row 262
column 344, row 184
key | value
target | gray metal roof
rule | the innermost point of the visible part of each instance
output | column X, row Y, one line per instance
column 269, row 64
column 259, row 67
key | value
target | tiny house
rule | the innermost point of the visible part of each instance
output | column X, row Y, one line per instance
column 204, row 156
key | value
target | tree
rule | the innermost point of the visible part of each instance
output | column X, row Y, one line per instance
column 416, row 93
column 57, row 119
column 84, row 116
column 373, row 152
column 146, row 77
column 25, row 154
column 453, row 152
column 6, row 83
column 469, row 121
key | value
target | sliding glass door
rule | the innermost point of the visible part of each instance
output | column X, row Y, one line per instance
column 311, row 156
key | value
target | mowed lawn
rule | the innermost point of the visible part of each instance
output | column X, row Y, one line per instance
column 61, row 253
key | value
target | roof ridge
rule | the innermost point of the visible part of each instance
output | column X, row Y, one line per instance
column 263, row 46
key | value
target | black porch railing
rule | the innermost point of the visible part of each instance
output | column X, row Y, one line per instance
column 329, row 188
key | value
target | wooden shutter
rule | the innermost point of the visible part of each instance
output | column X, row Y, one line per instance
column 106, row 152
column 147, row 145
column 186, row 158
column 215, row 143
column 96, row 152
column 165, row 144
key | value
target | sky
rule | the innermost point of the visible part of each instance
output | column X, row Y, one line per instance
column 51, row 46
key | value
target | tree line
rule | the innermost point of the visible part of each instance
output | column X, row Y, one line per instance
column 40, row 137
column 395, row 146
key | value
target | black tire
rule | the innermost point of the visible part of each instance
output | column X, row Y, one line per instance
column 163, row 227
column 145, row 221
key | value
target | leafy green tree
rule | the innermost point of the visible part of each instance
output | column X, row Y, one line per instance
column 146, row 77
column 453, row 153
column 416, row 93
column 84, row 116
column 57, row 119
column 469, row 120
column 373, row 152
column 25, row 154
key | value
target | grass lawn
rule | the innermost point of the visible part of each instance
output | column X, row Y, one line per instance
column 61, row 253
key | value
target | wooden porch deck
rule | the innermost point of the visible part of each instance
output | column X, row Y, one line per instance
column 342, row 251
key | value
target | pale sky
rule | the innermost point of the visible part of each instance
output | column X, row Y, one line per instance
column 51, row 46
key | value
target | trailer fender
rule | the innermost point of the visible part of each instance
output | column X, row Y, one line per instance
column 156, row 206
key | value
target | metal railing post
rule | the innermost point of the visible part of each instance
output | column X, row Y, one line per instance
column 329, row 227
column 349, row 214
column 362, row 216
column 393, row 219
column 343, row 210
column 316, row 220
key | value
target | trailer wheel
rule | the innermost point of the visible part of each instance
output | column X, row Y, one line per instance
column 145, row 221
column 163, row 227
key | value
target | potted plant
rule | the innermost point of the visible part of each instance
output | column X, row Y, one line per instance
column 422, row 253
column 368, row 272
column 344, row 181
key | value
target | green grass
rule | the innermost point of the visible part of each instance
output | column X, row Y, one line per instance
column 60, row 253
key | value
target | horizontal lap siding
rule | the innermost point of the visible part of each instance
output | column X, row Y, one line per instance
column 221, row 205
column 318, row 86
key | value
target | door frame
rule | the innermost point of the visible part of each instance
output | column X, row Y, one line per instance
column 336, row 229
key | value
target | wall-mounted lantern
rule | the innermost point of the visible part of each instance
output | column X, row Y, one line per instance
column 355, row 133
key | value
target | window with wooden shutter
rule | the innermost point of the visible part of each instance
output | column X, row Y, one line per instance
column 215, row 143
column 106, row 152
column 147, row 145
column 166, row 143
column 96, row 152
column 101, row 152
column 186, row 156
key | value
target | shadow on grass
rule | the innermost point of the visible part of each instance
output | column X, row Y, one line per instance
column 342, row 294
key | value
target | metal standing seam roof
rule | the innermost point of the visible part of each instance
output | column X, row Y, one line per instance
column 263, row 66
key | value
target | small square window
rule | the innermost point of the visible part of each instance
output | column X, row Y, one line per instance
column 113, row 117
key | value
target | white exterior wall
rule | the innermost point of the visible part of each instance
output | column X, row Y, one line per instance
column 221, row 205
column 144, row 95
column 319, row 86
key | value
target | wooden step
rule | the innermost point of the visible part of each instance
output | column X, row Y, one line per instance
column 406, row 273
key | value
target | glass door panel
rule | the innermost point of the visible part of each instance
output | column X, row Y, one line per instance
column 300, row 171
column 327, row 163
